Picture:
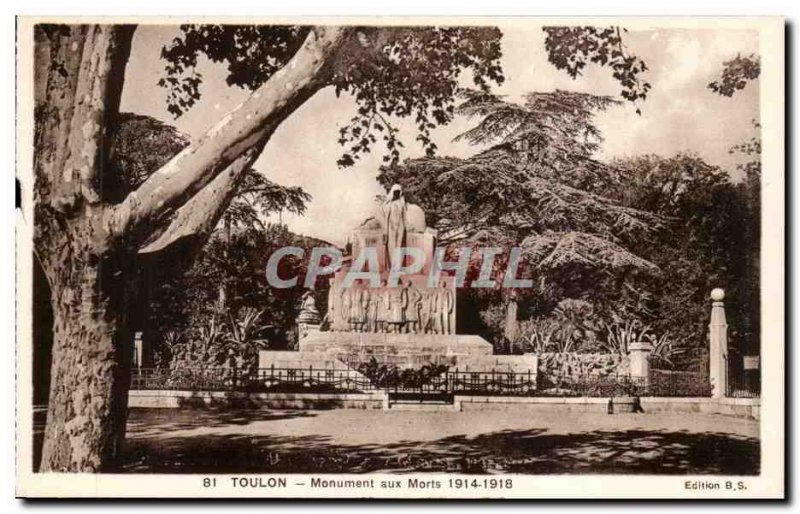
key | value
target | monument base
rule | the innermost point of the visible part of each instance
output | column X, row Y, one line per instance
column 336, row 349
column 401, row 350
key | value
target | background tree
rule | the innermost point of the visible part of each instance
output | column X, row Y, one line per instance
column 234, row 263
column 140, row 146
column 711, row 229
column 532, row 189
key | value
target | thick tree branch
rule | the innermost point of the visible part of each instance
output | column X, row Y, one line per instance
column 236, row 134
column 198, row 217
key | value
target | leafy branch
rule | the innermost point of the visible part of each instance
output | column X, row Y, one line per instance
column 571, row 48
column 736, row 73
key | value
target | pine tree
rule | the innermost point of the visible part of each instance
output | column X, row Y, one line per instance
column 531, row 188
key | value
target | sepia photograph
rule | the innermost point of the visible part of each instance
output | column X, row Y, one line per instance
column 400, row 257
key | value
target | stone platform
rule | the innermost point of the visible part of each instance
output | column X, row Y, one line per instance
column 299, row 360
column 402, row 350
column 334, row 350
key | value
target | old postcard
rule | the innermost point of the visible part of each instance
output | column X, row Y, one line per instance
column 400, row 257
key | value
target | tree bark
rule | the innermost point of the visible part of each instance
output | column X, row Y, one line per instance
column 198, row 217
column 90, row 374
column 79, row 72
column 311, row 70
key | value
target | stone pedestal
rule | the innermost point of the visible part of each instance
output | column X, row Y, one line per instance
column 640, row 361
column 466, row 353
column 303, row 329
column 718, row 345
column 401, row 350
column 371, row 236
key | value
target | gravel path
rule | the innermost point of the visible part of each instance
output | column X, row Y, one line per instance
column 166, row 440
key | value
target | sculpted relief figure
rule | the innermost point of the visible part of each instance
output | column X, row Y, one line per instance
column 379, row 308
column 398, row 302
column 345, row 300
column 412, row 311
column 359, row 306
column 440, row 308
column 448, row 305
column 331, row 319
column 403, row 309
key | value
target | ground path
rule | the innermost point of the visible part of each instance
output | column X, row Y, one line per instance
column 345, row 440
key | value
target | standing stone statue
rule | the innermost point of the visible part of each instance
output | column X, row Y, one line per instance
column 330, row 316
column 375, row 312
column 425, row 312
column 393, row 221
column 441, row 306
column 384, row 307
column 366, row 300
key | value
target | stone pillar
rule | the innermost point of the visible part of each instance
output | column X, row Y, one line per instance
column 138, row 347
column 718, row 341
column 639, row 354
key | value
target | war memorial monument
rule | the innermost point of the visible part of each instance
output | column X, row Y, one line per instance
column 406, row 321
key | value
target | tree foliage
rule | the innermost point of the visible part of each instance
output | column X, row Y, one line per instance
column 228, row 278
column 533, row 189
column 390, row 71
column 571, row 48
column 736, row 73
column 711, row 240
column 528, row 188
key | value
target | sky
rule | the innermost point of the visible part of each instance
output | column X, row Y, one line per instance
column 680, row 114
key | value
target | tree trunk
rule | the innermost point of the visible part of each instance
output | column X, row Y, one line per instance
column 79, row 72
column 87, row 410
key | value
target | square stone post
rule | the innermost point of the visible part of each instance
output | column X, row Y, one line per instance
column 138, row 350
column 639, row 354
column 718, row 346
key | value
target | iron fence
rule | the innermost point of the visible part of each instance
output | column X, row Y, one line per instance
column 678, row 383
column 256, row 380
column 741, row 382
column 419, row 383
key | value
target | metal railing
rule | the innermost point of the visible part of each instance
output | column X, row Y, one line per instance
column 259, row 380
column 743, row 383
column 450, row 382
column 659, row 383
